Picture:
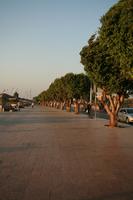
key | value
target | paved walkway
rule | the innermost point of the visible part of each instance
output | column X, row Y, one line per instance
column 53, row 155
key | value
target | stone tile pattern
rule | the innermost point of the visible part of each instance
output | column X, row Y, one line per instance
column 48, row 154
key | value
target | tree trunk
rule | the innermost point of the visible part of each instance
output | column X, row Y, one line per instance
column 112, row 104
column 76, row 108
column 61, row 105
column 112, row 120
column 68, row 106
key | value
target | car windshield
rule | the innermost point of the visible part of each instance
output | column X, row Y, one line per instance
column 130, row 111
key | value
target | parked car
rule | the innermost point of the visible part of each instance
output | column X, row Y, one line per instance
column 7, row 107
column 125, row 115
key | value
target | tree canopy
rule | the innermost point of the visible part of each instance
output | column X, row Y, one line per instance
column 67, row 87
column 116, row 34
column 108, row 56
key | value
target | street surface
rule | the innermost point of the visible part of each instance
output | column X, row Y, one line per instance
column 48, row 154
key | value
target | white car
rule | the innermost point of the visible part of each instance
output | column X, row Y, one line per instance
column 125, row 115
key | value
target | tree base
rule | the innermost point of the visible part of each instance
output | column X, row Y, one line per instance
column 117, row 126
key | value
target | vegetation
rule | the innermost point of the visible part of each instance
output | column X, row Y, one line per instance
column 108, row 59
column 16, row 95
column 66, row 89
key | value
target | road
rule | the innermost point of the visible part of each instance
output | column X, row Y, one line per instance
column 48, row 154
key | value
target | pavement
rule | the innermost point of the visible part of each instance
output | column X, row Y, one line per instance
column 48, row 154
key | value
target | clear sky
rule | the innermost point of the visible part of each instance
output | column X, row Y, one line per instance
column 40, row 40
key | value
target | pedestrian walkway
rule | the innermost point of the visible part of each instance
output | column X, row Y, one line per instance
column 48, row 154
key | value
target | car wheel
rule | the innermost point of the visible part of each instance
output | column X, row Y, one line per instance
column 127, row 120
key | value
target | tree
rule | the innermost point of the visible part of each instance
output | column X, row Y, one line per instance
column 108, row 57
column 116, row 33
column 65, row 89
column 16, row 95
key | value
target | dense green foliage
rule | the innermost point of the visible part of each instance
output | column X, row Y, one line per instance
column 108, row 56
column 116, row 34
column 67, row 87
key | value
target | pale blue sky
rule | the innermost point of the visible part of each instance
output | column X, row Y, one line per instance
column 40, row 40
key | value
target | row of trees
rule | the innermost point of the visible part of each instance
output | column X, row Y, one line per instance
column 107, row 61
column 65, row 90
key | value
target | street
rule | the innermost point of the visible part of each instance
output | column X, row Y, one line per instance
column 49, row 154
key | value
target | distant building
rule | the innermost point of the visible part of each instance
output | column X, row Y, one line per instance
column 7, row 102
column 4, row 99
column 10, row 103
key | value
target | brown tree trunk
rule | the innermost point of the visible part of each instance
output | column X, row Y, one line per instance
column 115, row 102
column 112, row 120
column 76, row 108
column 61, row 105
column 68, row 106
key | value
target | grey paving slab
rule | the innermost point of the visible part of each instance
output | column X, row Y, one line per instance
column 48, row 154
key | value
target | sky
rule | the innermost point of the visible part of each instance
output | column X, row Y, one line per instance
column 40, row 40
